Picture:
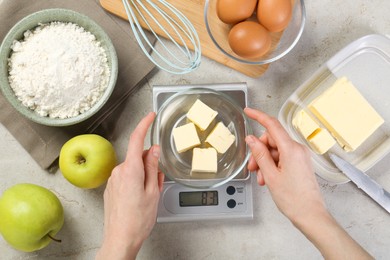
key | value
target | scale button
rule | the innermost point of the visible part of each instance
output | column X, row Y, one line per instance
column 230, row 190
column 231, row 203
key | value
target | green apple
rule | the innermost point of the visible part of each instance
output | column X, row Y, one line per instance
column 30, row 216
column 87, row 160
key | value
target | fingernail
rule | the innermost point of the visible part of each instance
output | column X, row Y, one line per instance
column 156, row 151
column 250, row 140
column 151, row 114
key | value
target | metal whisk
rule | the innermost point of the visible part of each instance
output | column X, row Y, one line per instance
column 179, row 56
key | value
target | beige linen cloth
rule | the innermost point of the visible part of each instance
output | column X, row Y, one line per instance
column 44, row 143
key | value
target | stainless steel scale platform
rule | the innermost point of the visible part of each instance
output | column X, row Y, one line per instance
column 232, row 200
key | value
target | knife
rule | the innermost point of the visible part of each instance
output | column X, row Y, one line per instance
column 363, row 181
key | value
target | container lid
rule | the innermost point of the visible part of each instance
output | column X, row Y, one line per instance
column 366, row 63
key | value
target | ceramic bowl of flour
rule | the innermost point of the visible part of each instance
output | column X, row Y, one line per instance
column 57, row 67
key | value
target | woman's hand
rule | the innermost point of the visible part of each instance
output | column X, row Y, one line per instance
column 285, row 167
column 131, row 198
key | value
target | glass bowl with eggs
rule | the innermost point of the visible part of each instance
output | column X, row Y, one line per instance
column 201, row 133
column 255, row 32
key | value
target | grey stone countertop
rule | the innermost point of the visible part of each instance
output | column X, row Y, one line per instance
column 330, row 26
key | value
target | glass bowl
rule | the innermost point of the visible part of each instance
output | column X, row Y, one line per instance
column 177, row 166
column 282, row 42
column 46, row 16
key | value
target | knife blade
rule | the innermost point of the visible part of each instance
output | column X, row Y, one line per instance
column 363, row 181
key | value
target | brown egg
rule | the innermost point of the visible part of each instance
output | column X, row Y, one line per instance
column 274, row 14
column 249, row 39
column 234, row 11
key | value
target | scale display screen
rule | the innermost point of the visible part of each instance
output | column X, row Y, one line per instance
column 198, row 198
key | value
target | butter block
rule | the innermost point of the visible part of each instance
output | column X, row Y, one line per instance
column 201, row 114
column 346, row 114
column 204, row 160
column 220, row 138
column 185, row 137
column 319, row 139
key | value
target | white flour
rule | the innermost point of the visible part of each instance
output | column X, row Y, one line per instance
column 59, row 70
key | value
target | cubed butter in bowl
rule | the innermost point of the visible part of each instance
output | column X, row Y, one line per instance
column 185, row 137
column 204, row 160
column 201, row 114
column 201, row 133
column 220, row 138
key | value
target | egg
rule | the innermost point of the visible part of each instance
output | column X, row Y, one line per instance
column 274, row 14
column 234, row 11
column 249, row 40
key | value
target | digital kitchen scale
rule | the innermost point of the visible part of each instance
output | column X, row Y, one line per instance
column 232, row 200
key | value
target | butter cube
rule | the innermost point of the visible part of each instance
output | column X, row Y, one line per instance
column 204, row 160
column 346, row 114
column 185, row 137
column 304, row 123
column 201, row 114
column 220, row 138
column 319, row 139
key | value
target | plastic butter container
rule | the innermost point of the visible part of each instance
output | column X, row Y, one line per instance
column 366, row 63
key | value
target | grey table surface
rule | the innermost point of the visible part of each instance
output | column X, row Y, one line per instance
column 330, row 26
